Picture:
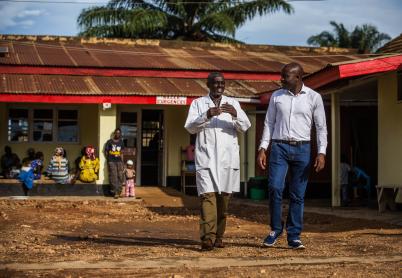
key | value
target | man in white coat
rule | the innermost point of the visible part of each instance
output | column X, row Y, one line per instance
column 216, row 119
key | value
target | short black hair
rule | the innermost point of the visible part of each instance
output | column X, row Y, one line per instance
column 213, row 75
column 117, row 129
column 295, row 65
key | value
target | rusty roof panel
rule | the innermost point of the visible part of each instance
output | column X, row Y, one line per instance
column 236, row 89
column 9, row 58
column 153, row 54
column 18, row 83
column 95, row 85
column 156, row 86
column 189, row 87
column 59, row 84
column 53, row 54
column 81, row 56
column 262, row 86
column 130, row 85
column 27, row 54
column 108, row 85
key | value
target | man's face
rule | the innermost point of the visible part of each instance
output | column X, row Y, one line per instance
column 216, row 86
column 117, row 134
column 290, row 78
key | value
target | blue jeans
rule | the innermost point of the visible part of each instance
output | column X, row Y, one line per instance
column 297, row 160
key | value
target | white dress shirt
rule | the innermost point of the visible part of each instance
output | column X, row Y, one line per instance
column 290, row 117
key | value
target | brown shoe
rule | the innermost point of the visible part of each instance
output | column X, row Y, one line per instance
column 207, row 245
column 219, row 243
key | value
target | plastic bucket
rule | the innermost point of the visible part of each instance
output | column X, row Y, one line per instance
column 257, row 193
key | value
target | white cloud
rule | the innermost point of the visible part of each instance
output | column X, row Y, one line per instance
column 26, row 23
column 27, row 13
column 18, row 15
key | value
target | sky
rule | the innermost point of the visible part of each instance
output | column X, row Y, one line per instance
column 309, row 18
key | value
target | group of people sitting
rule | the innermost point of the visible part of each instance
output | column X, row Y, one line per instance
column 32, row 167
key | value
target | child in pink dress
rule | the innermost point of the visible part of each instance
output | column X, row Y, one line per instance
column 130, row 179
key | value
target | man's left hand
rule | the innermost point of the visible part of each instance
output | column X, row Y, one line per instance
column 319, row 162
column 227, row 108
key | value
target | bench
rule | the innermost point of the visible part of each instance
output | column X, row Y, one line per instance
column 47, row 187
column 386, row 195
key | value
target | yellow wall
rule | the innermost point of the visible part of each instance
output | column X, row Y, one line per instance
column 87, row 118
column 176, row 137
column 389, row 131
column 107, row 125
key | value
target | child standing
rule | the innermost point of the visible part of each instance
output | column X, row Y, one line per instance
column 26, row 175
column 130, row 176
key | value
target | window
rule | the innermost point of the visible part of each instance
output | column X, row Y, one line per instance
column 128, row 125
column 43, row 125
column 18, row 125
column 67, row 126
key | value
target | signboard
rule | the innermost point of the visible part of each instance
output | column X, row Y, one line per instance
column 171, row 100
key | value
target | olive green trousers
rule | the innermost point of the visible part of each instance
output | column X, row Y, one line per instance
column 214, row 208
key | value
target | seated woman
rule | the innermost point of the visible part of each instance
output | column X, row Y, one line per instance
column 37, row 165
column 89, row 165
column 10, row 162
column 58, row 167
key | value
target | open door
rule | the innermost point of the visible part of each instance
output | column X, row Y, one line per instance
column 152, row 147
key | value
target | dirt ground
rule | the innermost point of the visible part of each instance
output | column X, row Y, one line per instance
column 118, row 238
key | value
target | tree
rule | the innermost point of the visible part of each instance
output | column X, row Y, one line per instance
column 365, row 38
column 205, row 20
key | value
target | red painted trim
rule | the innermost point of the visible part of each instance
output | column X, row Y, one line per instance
column 333, row 73
column 77, row 99
column 370, row 67
column 264, row 98
column 133, row 72
column 323, row 77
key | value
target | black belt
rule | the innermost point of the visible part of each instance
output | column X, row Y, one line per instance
column 289, row 142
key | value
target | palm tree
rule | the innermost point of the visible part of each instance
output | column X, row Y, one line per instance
column 365, row 38
column 205, row 20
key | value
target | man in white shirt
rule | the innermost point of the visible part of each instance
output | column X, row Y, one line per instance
column 216, row 119
column 291, row 112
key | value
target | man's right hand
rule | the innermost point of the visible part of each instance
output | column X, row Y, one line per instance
column 213, row 111
column 262, row 159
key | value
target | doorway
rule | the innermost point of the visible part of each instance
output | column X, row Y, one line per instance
column 152, row 147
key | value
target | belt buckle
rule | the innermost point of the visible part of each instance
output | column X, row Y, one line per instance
column 293, row 143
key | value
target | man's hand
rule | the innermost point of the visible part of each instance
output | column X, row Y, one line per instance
column 213, row 111
column 262, row 159
column 319, row 162
column 227, row 108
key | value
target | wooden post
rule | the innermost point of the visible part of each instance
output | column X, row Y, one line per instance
column 336, row 150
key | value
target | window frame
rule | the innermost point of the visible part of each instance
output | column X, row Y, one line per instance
column 55, row 121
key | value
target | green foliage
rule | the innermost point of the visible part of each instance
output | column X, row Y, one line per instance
column 205, row 20
column 365, row 38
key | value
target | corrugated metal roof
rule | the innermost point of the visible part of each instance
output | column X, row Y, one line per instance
column 393, row 46
column 100, row 85
column 153, row 54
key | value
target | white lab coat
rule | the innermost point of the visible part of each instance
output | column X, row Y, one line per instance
column 217, row 155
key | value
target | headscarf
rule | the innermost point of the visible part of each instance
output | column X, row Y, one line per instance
column 90, row 152
column 58, row 156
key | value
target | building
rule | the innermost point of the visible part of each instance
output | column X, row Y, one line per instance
column 74, row 92
column 365, row 98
